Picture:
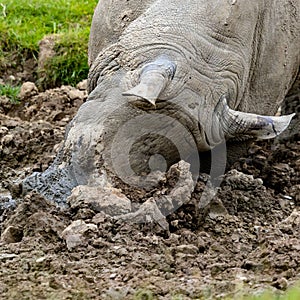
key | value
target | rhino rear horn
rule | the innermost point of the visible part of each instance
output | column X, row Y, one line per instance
column 154, row 78
column 243, row 125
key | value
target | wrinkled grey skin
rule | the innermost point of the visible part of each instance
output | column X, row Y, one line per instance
column 248, row 50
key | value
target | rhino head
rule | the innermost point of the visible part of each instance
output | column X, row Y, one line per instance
column 205, row 64
column 183, row 77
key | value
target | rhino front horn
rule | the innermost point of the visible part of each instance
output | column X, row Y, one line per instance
column 154, row 78
column 240, row 125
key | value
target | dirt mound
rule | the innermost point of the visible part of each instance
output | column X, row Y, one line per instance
column 246, row 238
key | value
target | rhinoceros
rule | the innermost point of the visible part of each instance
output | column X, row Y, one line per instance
column 171, row 79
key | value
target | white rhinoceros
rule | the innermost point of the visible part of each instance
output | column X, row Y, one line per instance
column 169, row 79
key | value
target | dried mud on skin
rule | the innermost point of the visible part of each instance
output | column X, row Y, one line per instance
column 247, row 238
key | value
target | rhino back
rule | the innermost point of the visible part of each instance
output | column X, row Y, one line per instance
column 111, row 18
column 276, row 58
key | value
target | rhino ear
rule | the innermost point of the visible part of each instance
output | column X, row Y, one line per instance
column 154, row 78
column 243, row 125
column 150, row 87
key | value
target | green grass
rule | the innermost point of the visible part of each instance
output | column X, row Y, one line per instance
column 291, row 294
column 69, row 66
column 23, row 23
column 11, row 92
column 240, row 294
column 144, row 294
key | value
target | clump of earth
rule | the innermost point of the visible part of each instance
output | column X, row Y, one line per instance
column 245, row 240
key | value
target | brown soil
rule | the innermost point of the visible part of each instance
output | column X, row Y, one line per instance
column 247, row 238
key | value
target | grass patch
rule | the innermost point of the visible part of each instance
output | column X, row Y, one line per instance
column 69, row 65
column 23, row 23
column 291, row 294
column 144, row 294
column 11, row 92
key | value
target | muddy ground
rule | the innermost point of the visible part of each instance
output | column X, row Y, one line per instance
column 246, row 240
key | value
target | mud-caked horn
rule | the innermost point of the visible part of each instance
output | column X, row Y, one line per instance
column 236, row 124
column 154, row 78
